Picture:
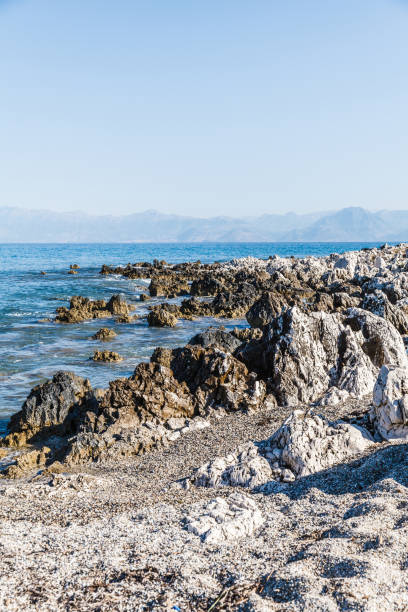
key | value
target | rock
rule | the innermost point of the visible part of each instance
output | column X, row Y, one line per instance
column 308, row 444
column 309, row 357
column 43, row 273
column 215, row 378
column 161, row 317
column 247, row 333
column 73, row 272
column 216, row 338
column 244, row 468
column 265, row 309
column 224, row 519
column 379, row 304
column 107, row 356
column 390, row 403
column 51, row 404
column 104, row 334
column 27, row 461
column 82, row 309
column 74, row 267
column 168, row 285
column 143, row 297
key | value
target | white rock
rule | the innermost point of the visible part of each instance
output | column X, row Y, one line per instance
column 390, row 402
column 224, row 519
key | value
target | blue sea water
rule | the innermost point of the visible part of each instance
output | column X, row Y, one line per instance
column 31, row 350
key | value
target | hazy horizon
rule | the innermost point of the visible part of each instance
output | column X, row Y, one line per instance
column 226, row 108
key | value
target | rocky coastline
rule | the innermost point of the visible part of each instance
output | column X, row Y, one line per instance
column 256, row 469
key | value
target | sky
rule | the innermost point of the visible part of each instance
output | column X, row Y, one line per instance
column 218, row 107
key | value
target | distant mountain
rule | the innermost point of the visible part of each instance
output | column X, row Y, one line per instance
column 346, row 225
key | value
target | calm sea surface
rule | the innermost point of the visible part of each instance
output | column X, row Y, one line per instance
column 31, row 350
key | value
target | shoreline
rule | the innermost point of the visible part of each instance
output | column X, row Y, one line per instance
column 258, row 468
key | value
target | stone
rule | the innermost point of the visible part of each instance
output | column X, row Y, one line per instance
column 104, row 334
column 216, row 338
column 311, row 443
column 244, row 468
column 390, row 403
column 106, row 356
column 161, row 317
column 51, row 404
column 265, row 309
column 224, row 519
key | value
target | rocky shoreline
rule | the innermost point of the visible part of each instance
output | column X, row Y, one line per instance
column 258, row 469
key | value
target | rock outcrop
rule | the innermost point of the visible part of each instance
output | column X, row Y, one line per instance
column 323, row 357
column 82, row 308
column 106, row 356
column 51, row 406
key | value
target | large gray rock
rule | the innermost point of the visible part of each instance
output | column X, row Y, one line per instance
column 390, row 402
column 51, row 403
column 324, row 357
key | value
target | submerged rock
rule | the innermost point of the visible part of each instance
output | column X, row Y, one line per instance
column 107, row 356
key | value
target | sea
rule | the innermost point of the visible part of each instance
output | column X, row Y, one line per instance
column 33, row 348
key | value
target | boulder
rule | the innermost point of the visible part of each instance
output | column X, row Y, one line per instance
column 161, row 317
column 265, row 309
column 390, row 403
column 104, row 334
column 107, row 356
column 216, row 338
column 53, row 403
column 379, row 304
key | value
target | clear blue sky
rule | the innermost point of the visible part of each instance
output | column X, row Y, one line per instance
column 229, row 107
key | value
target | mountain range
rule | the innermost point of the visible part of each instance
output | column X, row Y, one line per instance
column 346, row 225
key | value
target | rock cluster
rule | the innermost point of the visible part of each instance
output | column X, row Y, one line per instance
column 82, row 309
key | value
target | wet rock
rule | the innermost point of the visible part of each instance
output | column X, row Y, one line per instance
column 26, row 462
column 82, row 309
column 107, row 356
column 217, row 338
column 104, row 334
column 161, row 317
column 168, row 286
column 224, row 519
column 74, row 267
column 390, row 403
column 51, row 404
column 143, row 297
column 73, row 272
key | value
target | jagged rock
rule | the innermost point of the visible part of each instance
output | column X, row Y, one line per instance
column 214, row 377
column 244, row 468
column 206, row 286
column 308, row 444
column 379, row 304
column 161, row 317
column 265, row 309
column 27, row 461
column 390, row 402
column 82, row 309
column 247, row 333
column 224, row 519
column 104, row 334
column 107, row 356
column 309, row 357
column 216, row 338
column 234, row 304
column 51, row 404
column 168, row 286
